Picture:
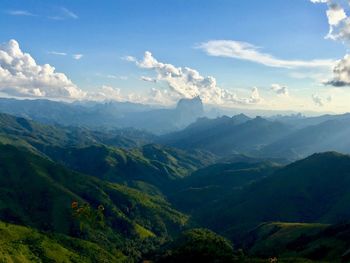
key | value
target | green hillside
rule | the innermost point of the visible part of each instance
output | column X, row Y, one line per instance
column 22, row 244
column 153, row 164
column 38, row 193
column 311, row 190
column 94, row 152
column 70, row 195
column 36, row 136
column 271, row 239
column 218, row 180
column 199, row 245
column 299, row 242
column 226, row 136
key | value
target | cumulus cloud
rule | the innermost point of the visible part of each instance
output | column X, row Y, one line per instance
column 335, row 14
column 249, row 52
column 339, row 29
column 320, row 101
column 280, row 89
column 21, row 76
column 188, row 83
column 339, row 22
column 106, row 93
column 341, row 73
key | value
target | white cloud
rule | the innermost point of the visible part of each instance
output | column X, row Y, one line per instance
column 77, row 56
column 117, row 77
column 106, row 93
column 341, row 73
column 21, row 76
column 188, row 83
column 254, row 97
column 111, row 76
column 129, row 58
column 339, row 22
column 19, row 13
column 320, row 101
column 335, row 14
column 249, row 52
column 69, row 13
column 57, row 53
column 339, row 29
column 63, row 14
column 280, row 89
column 74, row 56
column 148, row 79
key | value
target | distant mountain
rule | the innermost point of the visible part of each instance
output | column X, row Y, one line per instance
column 106, row 114
column 189, row 110
column 227, row 136
column 70, row 114
column 314, row 189
column 162, row 121
column 95, row 152
column 33, row 135
column 300, row 121
column 331, row 135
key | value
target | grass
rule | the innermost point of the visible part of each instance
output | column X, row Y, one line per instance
column 22, row 244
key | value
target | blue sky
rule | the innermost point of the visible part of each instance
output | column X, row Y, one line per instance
column 104, row 32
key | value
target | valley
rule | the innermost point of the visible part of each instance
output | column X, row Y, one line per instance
column 156, row 189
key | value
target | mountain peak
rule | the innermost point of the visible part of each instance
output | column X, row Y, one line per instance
column 190, row 109
column 190, row 104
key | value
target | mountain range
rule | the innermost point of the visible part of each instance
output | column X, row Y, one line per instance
column 108, row 115
column 245, row 189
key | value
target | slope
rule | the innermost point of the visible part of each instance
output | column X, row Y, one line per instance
column 38, row 193
column 311, row 190
column 226, row 136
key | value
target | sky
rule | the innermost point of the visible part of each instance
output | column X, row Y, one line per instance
column 273, row 55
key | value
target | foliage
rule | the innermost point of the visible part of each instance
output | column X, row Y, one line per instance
column 22, row 244
column 86, row 215
column 36, row 192
column 199, row 245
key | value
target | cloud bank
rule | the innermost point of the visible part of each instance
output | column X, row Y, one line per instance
column 21, row 76
column 184, row 82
